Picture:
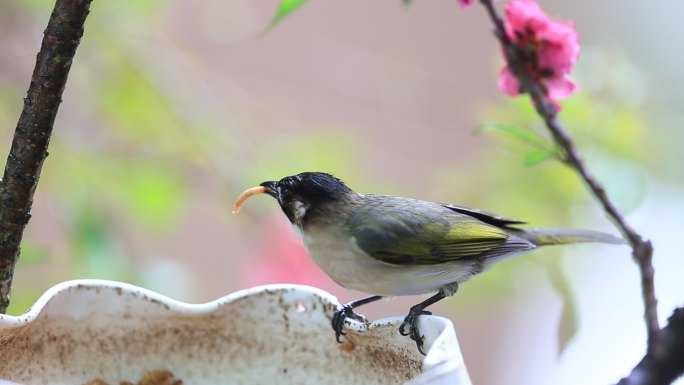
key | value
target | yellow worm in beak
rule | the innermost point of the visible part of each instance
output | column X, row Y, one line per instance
column 250, row 192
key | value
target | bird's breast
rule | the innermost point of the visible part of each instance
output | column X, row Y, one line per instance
column 338, row 255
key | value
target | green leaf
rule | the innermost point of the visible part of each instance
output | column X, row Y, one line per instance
column 284, row 10
column 541, row 150
column 536, row 156
column 407, row 2
column 568, row 323
column 524, row 134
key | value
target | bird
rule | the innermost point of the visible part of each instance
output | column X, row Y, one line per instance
column 390, row 246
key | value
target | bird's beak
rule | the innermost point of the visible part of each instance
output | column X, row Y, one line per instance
column 270, row 188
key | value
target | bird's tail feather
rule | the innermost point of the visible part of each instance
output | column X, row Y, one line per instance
column 543, row 237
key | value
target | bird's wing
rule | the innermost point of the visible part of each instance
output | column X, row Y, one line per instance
column 426, row 236
column 484, row 216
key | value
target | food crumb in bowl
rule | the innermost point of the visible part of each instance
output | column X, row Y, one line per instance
column 347, row 346
column 155, row 377
column 163, row 377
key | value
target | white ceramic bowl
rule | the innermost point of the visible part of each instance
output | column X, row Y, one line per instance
column 79, row 331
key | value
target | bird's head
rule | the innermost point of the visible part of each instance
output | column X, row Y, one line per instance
column 301, row 194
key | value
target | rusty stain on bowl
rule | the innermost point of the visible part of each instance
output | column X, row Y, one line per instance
column 83, row 330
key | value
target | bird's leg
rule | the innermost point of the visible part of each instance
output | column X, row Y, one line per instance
column 411, row 320
column 347, row 311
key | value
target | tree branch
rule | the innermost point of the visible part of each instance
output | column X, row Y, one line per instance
column 32, row 134
column 642, row 250
column 664, row 361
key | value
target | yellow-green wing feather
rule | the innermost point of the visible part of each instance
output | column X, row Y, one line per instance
column 409, row 232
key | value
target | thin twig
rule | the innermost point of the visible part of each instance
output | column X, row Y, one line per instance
column 32, row 134
column 642, row 250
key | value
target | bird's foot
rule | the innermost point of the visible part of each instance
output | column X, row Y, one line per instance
column 340, row 315
column 411, row 321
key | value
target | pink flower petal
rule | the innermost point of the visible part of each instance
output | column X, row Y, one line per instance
column 558, row 58
column 465, row 3
column 524, row 15
column 560, row 48
column 560, row 87
column 508, row 83
column 550, row 49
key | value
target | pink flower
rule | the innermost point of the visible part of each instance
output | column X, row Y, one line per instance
column 282, row 259
column 465, row 3
column 548, row 48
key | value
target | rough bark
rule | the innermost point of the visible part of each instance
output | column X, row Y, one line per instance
column 664, row 360
column 32, row 134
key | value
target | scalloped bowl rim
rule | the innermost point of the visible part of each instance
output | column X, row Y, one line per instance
column 440, row 361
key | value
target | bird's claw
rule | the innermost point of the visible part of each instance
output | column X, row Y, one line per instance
column 340, row 316
column 411, row 320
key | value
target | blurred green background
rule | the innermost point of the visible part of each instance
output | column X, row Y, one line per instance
column 174, row 107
